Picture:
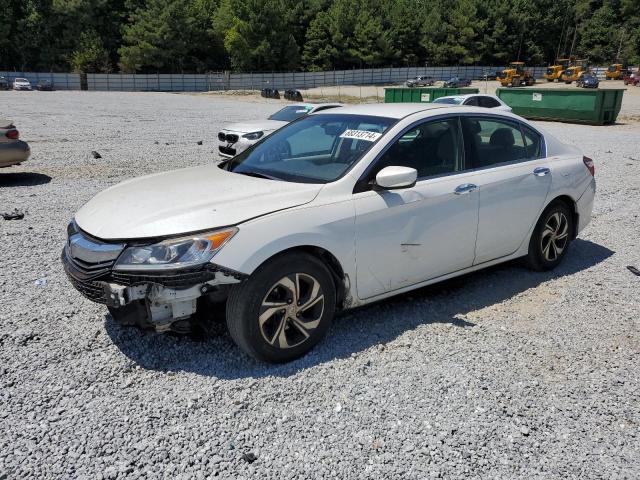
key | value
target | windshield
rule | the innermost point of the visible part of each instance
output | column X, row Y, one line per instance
column 289, row 114
column 315, row 149
column 21, row 80
column 449, row 100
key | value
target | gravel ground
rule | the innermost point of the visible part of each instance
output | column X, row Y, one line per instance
column 501, row 374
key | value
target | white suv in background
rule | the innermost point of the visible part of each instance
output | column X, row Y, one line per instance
column 237, row 137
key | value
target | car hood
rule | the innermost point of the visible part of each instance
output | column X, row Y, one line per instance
column 184, row 201
column 259, row 126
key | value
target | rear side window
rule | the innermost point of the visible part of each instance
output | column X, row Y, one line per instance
column 533, row 143
column 491, row 142
column 488, row 102
column 473, row 102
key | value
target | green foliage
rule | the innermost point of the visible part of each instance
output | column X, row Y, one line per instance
column 258, row 38
column 255, row 35
column 90, row 56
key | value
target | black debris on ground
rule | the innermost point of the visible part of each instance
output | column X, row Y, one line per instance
column 15, row 215
column 633, row 270
column 249, row 457
column 95, row 154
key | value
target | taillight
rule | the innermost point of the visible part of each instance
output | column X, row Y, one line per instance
column 13, row 134
column 590, row 165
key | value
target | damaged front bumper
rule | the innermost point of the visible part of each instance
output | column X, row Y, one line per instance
column 161, row 297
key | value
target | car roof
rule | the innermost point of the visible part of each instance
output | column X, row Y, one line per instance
column 389, row 110
column 467, row 95
column 402, row 110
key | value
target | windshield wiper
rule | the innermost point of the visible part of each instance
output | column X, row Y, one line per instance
column 251, row 173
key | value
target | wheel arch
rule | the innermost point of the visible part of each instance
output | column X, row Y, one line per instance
column 341, row 280
column 573, row 208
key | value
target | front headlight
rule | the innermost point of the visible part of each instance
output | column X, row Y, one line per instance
column 175, row 252
column 253, row 135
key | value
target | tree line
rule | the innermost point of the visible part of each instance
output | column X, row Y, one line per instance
column 187, row 36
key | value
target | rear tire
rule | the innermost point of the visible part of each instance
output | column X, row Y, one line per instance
column 551, row 237
column 284, row 309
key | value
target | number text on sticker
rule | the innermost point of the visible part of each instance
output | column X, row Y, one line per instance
column 361, row 135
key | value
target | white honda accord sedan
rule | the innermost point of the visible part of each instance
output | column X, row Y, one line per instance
column 335, row 210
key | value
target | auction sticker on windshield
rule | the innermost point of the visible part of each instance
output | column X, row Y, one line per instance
column 361, row 135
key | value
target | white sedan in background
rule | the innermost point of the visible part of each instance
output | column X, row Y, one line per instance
column 237, row 137
column 475, row 100
column 21, row 84
column 339, row 209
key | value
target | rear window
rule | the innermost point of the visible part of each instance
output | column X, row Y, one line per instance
column 291, row 113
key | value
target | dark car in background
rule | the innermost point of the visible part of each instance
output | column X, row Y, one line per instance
column 420, row 82
column 45, row 86
column 4, row 84
column 588, row 81
column 457, row 82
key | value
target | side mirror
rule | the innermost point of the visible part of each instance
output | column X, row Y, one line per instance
column 391, row 178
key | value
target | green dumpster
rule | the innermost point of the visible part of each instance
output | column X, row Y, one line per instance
column 594, row 107
column 422, row 95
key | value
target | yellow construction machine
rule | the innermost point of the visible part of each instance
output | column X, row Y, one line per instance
column 554, row 72
column 574, row 72
column 615, row 72
column 515, row 75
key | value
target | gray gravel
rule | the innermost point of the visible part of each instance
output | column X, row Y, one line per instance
column 501, row 374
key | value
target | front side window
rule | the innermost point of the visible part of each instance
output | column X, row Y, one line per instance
column 492, row 141
column 432, row 148
column 472, row 102
column 314, row 149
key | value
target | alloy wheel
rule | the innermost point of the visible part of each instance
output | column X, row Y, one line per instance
column 555, row 236
column 291, row 310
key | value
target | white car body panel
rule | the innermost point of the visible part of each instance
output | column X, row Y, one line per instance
column 417, row 248
column 258, row 126
column 425, row 233
column 185, row 201
column 511, row 198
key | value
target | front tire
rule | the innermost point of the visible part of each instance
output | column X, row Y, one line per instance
column 551, row 237
column 284, row 309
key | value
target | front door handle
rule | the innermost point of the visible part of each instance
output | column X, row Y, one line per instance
column 465, row 188
column 541, row 171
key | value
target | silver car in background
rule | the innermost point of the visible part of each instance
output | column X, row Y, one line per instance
column 12, row 150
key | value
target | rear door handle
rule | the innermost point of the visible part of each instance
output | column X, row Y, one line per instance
column 541, row 171
column 465, row 188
